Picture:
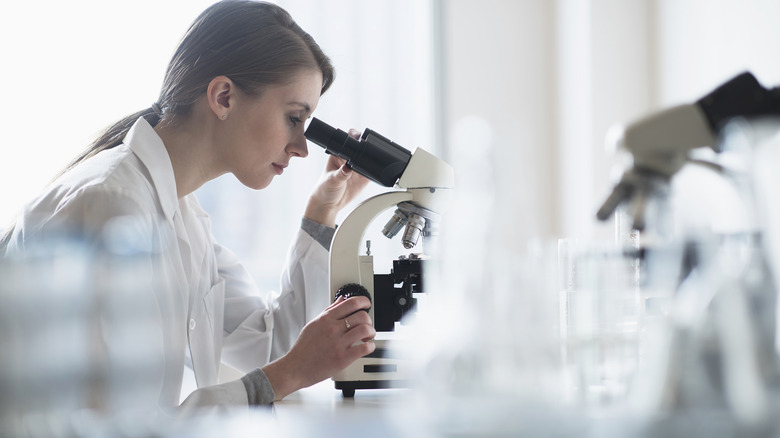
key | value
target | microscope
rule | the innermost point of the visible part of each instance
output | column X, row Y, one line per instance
column 427, row 184
column 721, row 352
column 660, row 144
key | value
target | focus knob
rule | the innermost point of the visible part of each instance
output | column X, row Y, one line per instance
column 353, row 290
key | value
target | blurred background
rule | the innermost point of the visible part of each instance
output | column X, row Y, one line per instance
column 541, row 80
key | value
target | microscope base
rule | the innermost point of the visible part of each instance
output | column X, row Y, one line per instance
column 379, row 370
column 348, row 388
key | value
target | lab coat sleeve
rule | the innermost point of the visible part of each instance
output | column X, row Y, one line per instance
column 253, row 389
column 304, row 291
column 248, row 316
column 260, row 329
column 219, row 397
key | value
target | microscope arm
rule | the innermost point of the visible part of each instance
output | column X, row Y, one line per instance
column 428, row 182
column 345, row 266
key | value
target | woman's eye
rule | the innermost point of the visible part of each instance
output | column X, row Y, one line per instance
column 295, row 120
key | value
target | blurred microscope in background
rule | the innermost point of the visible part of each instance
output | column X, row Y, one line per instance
column 672, row 327
column 719, row 353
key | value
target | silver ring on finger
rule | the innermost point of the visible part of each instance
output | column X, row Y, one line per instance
column 347, row 323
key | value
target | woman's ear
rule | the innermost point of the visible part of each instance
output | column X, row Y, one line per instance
column 220, row 94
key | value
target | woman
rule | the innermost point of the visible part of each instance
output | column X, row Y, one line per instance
column 237, row 91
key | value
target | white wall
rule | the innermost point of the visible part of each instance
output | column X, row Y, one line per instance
column 499, row 74
column 550, row 78
column 702, row 43
column 69, row 70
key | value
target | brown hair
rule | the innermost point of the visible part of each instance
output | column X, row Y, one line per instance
column 254, row 43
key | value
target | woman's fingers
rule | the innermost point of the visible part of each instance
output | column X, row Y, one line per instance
column 359, row 332
column 360, row 349
column 326, row 345
column 358, row 328
column 356, row 319
column 343, row 308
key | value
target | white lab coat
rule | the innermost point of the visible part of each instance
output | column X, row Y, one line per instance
column 211, row 308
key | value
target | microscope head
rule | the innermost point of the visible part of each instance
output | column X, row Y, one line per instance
column 379, row 159
column 660, row 143
column 373, row 156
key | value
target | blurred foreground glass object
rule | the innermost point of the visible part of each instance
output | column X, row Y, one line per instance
column 667, row 332
column 80, row 330
column 488, row 352
column 600, row 319
column 551, row 341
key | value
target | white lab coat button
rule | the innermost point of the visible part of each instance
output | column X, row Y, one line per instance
column 192, row 323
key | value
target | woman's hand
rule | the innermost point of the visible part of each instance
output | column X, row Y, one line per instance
column 338, row 187
column 327, row 344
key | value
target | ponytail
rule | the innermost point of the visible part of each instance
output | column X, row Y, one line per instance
column 254, row 43
column 113, row 136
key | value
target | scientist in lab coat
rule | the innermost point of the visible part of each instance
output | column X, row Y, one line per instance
column 237, row 91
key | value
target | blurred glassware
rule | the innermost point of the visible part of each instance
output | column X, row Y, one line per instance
column 79, row 329
column 600, row 321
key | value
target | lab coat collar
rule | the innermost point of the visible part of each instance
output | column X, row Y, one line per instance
column 148, row 146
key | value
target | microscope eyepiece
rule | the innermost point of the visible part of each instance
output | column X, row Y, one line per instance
column 335, row 141
column 373, row 156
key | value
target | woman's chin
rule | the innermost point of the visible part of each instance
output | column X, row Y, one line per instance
column 256, row 184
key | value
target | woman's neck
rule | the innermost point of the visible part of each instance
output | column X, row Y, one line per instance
column 190, row 148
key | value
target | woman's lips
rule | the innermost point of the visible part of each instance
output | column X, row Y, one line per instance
column 279, row 168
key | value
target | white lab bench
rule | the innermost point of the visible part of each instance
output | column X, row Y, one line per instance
column 322, row 411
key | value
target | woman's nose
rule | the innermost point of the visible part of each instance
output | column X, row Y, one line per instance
column 298, row 146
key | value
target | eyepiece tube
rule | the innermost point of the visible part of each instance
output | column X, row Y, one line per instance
column 373, row 156
column 334, row 141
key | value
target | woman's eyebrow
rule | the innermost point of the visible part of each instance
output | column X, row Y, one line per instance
column 302, row 104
